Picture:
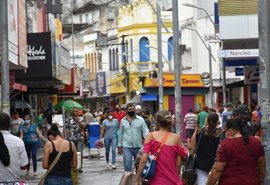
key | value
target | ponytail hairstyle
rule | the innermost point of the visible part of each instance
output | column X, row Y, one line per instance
column 212, row 120
column 54, row 131
column 164, row 119
column 236, row 124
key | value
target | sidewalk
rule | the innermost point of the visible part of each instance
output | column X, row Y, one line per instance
column 94, row 170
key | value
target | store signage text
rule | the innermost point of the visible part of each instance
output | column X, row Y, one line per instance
column 238, row 53
column 36, row 54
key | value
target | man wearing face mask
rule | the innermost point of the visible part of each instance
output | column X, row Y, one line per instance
column 118, row 114
column 109, row 134
column 130, row 137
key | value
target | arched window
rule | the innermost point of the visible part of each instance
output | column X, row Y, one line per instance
column 116, row 59
column 110, row 59
column 131, row 50
column 144, row 50
column 170, row 48
column 113, row 60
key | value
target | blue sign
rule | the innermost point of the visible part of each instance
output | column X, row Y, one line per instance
column 101, row 83
column 239, row 71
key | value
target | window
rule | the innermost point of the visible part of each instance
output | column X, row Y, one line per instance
column 116, row 59
column 170, row 48
column 110, row 59
column 131, row 50
column 113, row 60
column 144, row 49
column 80, row 18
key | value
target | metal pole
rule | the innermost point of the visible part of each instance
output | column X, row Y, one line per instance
column 160, row 64
column 264, row 87
column 211, row 77
column 223, row 81
column 5, row 103
column 124, row 58
column 177, row 67
column 72, row 32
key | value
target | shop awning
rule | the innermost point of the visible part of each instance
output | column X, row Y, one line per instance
column 20, row 87
column 149, row 97
column 241, row 62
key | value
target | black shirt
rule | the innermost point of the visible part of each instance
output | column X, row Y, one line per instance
column 63, row 165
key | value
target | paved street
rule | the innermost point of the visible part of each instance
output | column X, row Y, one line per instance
column 94, row 171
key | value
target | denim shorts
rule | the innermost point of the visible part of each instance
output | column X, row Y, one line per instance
column 58, row 180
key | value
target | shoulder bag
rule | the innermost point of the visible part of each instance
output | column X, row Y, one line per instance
column 149, row 168
column 191, row 159
column 42, row 180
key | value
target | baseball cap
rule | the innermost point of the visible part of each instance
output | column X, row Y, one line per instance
column 138, row 107
column 243, row 111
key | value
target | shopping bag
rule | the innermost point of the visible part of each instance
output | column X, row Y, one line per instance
column 128, row 178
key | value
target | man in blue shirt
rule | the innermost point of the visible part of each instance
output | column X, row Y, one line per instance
column 227, row 114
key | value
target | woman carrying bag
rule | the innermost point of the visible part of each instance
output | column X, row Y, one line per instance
column 207, row 147
column 169, row 160
column 30, row 134
column 58, row 172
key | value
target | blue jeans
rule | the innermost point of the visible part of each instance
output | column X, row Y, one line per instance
column 128, row 153
column 79, row 146
column 31, row 149
column 108, row 143
column 58, row 180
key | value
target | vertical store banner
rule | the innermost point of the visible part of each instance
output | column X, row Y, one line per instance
column 101, row 83
column 22, row 34
column 13, row 31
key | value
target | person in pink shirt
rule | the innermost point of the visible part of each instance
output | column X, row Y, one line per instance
column 170, row 157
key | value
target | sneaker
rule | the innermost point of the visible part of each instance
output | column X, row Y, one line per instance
column 35, row 174
column 108, row 165
column 113, row 167
column 80, row 170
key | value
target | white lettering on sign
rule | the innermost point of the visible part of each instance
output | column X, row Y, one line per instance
column 238, row 53
column 36, row 54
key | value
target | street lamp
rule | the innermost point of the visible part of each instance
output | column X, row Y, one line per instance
column 210, row 64
column 200, row 8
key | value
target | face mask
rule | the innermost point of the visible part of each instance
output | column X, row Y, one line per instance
column 110, row 117
column 100, row 113
column 96, row 114
column 27, row 121
column 131, row 113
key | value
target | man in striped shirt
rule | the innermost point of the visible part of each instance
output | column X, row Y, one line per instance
column 190, row 122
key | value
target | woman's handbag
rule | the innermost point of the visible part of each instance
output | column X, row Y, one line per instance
column 191, row 159
column 128, row 178
column 42, row 180
column 150, row 167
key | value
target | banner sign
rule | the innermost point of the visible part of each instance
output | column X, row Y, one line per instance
column 101, row 83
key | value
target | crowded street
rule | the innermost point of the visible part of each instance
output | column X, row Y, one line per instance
column 134, row 92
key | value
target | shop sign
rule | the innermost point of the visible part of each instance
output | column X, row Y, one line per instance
column 252, row 74
column 239, row 71
column 101, row 83
column 22, row 35
column 187, row 80
column 13, row 31
column 238, row 53
column 117, row 86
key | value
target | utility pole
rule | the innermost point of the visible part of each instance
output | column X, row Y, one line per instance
column 72, row 32
column 124, row 60
column 211, row 77
column 264, row 88
column 5, row 103
column 177, row 67
column 160, row 64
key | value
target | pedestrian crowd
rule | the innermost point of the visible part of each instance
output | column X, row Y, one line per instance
column 225, row 144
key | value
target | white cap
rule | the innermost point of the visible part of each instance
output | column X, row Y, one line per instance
column 138, row 107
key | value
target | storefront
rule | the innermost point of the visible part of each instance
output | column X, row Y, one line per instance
column 192, row 88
